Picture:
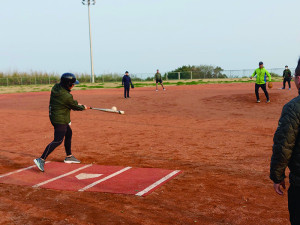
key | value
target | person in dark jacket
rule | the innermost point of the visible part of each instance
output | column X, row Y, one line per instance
column 286, row 153
column 61, row 103
column 287, row 76
column 158, row 79
column 126, row 82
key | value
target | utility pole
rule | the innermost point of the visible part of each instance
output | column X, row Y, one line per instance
column 88, row 3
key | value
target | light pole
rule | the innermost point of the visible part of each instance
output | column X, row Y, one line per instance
column 88, row 3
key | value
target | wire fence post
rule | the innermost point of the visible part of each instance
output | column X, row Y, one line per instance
column 6, row 81
column 102, row 78
column 178, row 75
column 191, row 75
column 21, row 81
column 167, row 76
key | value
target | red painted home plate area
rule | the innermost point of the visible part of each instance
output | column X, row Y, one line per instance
column 97, row 178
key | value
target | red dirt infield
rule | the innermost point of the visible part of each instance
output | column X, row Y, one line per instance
column 215, row 133
column 75, row 177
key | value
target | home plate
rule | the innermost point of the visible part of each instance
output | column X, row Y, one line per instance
column 96, row 178
column 83, row 176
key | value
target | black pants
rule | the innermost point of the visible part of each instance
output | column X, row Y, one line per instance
column 126, row 91
column 61, row 131
column 294, row 204
column 264, row 88
column 286, row 80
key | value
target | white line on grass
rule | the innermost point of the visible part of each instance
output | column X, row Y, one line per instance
column 63, row 175
column 18, row 171
column 104, row 179
column 141, row 193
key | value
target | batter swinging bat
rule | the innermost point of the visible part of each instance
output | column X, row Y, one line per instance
column 109, row 110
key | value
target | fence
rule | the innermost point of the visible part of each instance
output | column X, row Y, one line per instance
column 247, row 73
column 277, row 72
column 115, row 77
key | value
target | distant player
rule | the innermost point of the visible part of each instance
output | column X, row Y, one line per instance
column 159, row 79
column 61, row 103
column 287, row 77
column 126, row 82
column 261, row 79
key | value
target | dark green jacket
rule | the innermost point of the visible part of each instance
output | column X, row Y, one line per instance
column 157, row 76
column 286, row 148
column 287, row 74
column 61, row 103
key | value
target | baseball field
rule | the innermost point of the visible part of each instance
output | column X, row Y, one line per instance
column 216, row 134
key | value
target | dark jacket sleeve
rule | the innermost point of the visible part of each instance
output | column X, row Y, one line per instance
column 73, row 104
column 284, row 142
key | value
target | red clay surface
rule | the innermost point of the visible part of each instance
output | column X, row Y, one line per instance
column 216, row 134
column 114, row 179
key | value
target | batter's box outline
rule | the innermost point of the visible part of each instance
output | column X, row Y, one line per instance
column 92, row 177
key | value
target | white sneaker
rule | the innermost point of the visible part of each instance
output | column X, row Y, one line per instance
column 71, row 159
column 164, row 89
column 156, row 90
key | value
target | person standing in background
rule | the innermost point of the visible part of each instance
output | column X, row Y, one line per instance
column 126, row 82
column 287, row 76
column 158, row 78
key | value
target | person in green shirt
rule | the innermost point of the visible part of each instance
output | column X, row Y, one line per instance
column 158, row 79
column 261, row 79
column 61, row 103
column 287, row 76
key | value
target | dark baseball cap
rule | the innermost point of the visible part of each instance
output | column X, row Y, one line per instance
column 126, row 71
column 260, row 63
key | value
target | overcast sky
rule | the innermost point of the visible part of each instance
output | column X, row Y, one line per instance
column 142, row 35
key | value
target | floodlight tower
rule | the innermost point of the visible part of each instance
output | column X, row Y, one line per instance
column 88, row 3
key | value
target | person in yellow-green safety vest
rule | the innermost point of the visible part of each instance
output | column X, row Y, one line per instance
column 261, row 79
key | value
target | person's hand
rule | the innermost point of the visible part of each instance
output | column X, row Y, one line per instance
column 251, row 78
column 277, row 187
column 86, row 107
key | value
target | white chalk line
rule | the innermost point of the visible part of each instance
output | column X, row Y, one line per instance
column 149, row 188
column 20, row 170
column 63, row 175
column 104, row 179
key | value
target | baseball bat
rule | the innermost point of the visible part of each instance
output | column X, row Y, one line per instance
column 109, row 110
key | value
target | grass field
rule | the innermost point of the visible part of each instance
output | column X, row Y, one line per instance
column 215, row 133
column 87, row 86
